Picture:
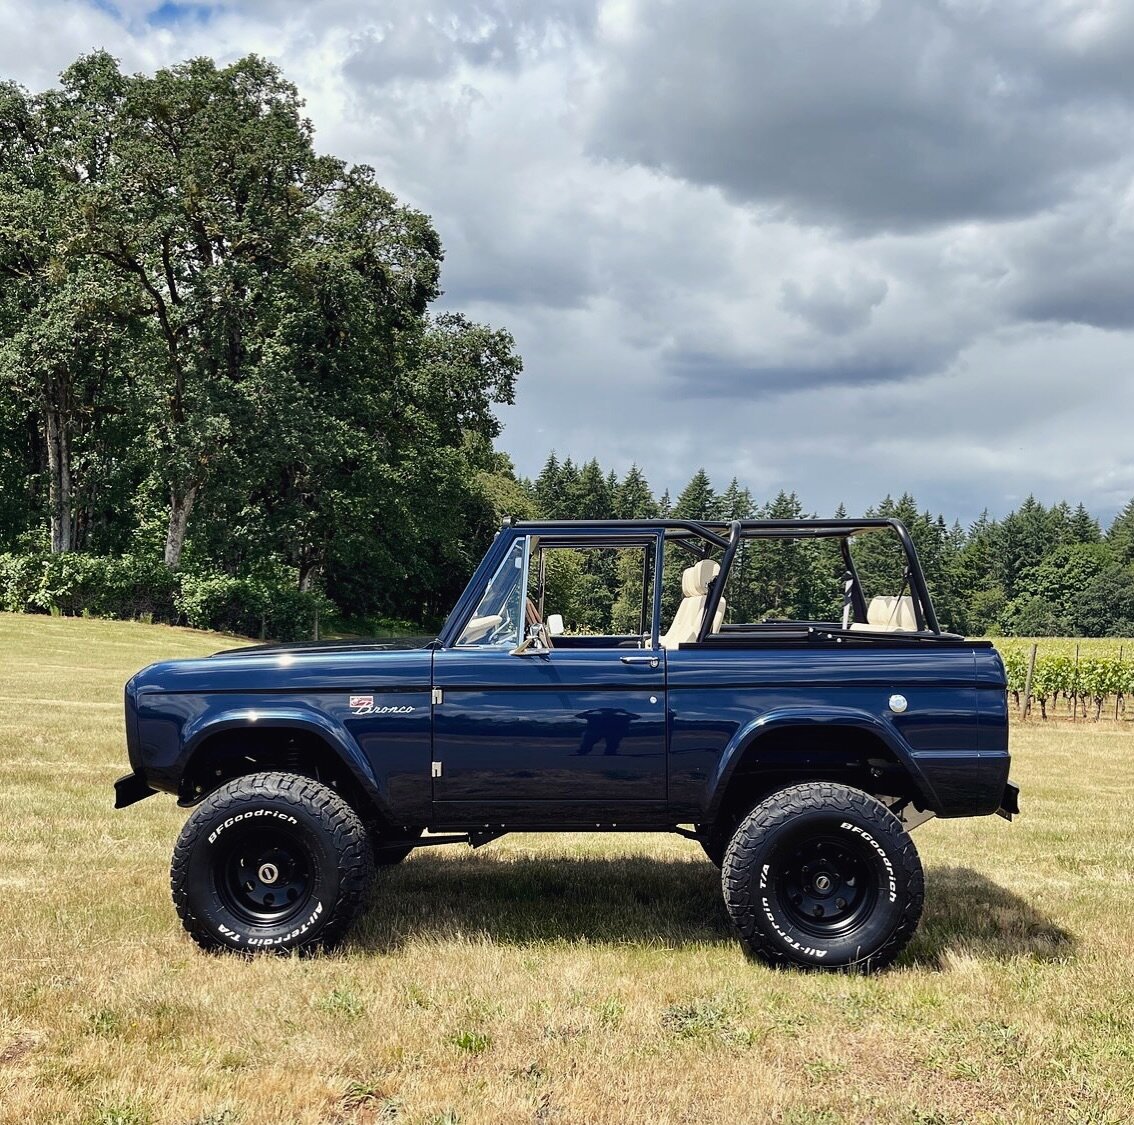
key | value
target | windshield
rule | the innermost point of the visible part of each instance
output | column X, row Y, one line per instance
column 498, row 619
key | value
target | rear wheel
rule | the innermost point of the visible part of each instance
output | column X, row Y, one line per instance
column 823, row 876
column 271, row 861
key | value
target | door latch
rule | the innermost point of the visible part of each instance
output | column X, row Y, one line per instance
column 438, row 696
column 436, row 769
column 649, row 661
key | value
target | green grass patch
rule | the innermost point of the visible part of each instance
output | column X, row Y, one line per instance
column 546, row 978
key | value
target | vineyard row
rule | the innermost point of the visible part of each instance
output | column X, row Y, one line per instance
column 1089, row 688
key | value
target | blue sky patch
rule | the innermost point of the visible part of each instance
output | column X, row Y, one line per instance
column 172, row 13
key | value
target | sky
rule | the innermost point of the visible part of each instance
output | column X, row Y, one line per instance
column 841, row 247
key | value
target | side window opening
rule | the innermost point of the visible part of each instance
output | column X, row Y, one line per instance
column 776, row 581
column 603, row 593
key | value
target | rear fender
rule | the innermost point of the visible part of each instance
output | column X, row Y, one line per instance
column 749, row 735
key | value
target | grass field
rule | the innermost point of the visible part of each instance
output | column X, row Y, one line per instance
column 543, row 979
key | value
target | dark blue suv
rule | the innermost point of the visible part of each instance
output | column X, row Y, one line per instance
column 798, row 753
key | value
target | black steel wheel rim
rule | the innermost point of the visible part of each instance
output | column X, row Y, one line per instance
column 265, row 876
column 827, row 885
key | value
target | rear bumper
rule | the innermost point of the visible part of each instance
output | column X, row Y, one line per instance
column 130, row 789
column 1010, row 802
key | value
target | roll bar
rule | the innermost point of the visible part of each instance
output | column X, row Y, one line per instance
column 726, row 536
column 716, row 587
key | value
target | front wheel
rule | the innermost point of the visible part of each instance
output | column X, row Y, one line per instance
column 270, row 861
column 823, row 876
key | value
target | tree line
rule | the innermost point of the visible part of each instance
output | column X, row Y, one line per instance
column 221, row 378
column 1038, row 571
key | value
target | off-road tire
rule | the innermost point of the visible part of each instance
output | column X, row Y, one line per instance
column 271, row 862
column 823, row 876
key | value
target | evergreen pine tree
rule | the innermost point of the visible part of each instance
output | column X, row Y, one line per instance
column 590, row 494
column 697, row 501
column 548, row 488
column 1084, row 526
column 1026, row 536
column 1120, row 535
column 568, row 492
column 633, row 498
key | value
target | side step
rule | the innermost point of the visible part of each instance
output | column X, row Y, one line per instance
column 473, row 839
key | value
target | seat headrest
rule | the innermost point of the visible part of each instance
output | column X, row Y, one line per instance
column 695, row 579
column 893, row 614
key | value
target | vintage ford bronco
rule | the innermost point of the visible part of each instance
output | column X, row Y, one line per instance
column 798, row 753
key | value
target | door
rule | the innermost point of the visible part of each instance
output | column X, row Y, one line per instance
column 574, row 733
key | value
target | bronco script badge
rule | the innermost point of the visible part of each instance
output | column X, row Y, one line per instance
column 364, row 705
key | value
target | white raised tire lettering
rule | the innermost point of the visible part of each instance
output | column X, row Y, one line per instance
column 245, row 815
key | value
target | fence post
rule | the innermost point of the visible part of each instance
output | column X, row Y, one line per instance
column 1075, row 688
column 1118, row 693
column 1028, row 683
column 316, row 637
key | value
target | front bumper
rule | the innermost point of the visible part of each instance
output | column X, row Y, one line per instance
column 1010, row 802
column 130, row 789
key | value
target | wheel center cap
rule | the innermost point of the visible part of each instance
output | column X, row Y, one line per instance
column 268, row 873
column 822, row 883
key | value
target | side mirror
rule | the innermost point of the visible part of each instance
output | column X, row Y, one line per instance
column 534, row 643
column 555, row 624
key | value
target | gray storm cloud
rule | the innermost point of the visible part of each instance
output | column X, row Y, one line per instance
column 845, row 247
column 894, row 115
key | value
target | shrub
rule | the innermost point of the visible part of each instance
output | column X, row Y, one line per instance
column 19, row 578
column 71, row 584
column 130, row 586
column 254, row 607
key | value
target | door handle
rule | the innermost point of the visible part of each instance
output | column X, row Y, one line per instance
column 651, row 661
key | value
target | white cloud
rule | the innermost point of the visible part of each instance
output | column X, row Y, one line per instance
column 846, row 249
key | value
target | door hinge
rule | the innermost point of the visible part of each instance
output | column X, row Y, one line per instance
column 436, row 769
column 438, row 696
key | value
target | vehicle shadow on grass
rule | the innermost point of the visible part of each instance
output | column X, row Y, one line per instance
column 968, row 915
column 639, row 900
column 531, row 900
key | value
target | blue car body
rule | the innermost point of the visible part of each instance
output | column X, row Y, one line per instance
column 596, row 733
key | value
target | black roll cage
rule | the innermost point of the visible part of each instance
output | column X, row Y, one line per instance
column 702, row 537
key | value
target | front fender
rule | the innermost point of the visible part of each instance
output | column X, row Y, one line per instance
column 750, row 733
column 290, row 717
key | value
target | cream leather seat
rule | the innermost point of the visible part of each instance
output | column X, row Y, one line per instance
column 889, row 615
column 695, row 594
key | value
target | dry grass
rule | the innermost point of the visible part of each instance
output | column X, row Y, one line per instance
column 545, row 978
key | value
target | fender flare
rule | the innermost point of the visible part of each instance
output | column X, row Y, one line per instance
column 303, row 719
column 751, row 732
